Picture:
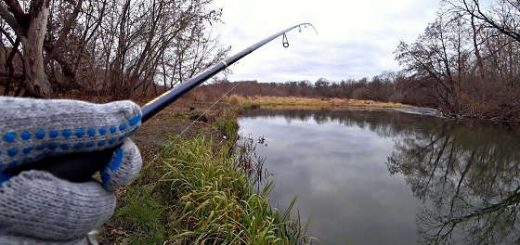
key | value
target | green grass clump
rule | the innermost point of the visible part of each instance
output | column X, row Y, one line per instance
column 214, row 202
column 143, row 215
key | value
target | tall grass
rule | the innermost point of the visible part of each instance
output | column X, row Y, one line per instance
column 249, row 162
column 213, row 201
column 199, row 193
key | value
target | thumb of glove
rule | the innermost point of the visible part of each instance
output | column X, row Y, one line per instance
column 124, row 166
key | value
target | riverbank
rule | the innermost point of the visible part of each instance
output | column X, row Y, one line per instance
column 305, row 103
column 196, row 188
column 199, row 187
column 313, row 103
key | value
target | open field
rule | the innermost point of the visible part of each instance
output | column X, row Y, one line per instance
column 300, row 102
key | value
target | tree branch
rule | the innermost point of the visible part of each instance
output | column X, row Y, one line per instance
column 15, row 8
column 493, row 23
column 67, row 27
column 10, row 18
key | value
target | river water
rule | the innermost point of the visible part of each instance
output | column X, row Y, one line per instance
column 388, row 177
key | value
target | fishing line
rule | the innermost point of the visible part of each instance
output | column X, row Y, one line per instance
column 209, row 109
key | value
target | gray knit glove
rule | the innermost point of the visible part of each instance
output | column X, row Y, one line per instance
column 39, row 208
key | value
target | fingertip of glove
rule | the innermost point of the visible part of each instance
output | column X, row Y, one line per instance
column 129, row 109
column 130, row 117
column 71, row 126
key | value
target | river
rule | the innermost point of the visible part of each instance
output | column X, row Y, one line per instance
column 388, row 177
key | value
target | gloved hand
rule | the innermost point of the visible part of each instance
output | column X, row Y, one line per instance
column 39, row 208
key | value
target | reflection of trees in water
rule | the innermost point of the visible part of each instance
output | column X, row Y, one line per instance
column 469, row 180
column 384, row 123
column 466, row 175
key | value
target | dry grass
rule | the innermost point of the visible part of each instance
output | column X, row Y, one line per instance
column 300, row 102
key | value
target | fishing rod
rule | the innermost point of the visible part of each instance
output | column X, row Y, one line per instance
column 79, row 167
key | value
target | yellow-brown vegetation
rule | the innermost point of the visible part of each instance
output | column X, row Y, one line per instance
column 301, row 102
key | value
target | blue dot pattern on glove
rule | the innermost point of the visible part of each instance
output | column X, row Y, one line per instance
column 26, row 135
column 113, row 165
column 10, row 137
column 32, row 129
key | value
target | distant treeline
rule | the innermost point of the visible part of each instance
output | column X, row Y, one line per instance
column 388, row 87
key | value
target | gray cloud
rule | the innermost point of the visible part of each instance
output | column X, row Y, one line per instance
column 356, row 38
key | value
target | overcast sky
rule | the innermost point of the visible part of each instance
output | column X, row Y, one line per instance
column 356, row 38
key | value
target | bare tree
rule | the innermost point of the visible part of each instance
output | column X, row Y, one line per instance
column 31, row 28
column 470, row 59
column 440, row 56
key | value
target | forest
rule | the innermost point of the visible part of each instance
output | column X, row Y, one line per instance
column 120, row 49
column 466, row 63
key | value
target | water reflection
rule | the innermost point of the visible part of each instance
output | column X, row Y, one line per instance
column 463, row 178
column 468, row 178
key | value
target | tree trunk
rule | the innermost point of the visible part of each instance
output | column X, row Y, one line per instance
column 36, row 82
column 480, row 63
